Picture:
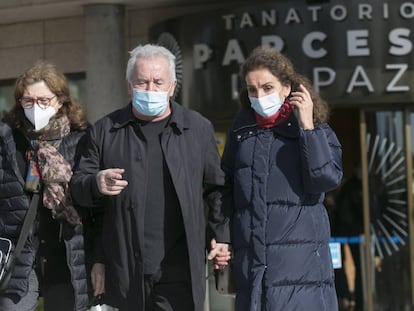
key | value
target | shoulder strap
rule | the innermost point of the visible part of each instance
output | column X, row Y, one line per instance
column 28, row 221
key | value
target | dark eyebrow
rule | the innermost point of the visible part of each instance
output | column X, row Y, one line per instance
column 268, row 83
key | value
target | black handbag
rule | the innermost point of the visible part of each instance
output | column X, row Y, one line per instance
column 8, row 253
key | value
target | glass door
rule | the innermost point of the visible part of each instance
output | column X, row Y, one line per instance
column 387, row 200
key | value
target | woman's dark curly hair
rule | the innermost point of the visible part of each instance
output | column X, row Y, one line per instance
column 282, row 68
column 56, row 81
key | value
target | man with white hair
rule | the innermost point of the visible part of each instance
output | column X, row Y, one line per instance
column 150, row 164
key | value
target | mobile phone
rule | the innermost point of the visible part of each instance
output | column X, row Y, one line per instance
column 293, row 88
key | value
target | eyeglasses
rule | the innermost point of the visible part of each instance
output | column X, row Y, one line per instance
column 42, row 102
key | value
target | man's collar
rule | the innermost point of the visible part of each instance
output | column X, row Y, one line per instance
column 126, row 116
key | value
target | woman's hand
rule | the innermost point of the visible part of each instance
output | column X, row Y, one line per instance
column 303, row 103
column 98, row 279
column 220, row 254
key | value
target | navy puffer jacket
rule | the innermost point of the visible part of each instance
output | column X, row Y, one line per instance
column 280, row 227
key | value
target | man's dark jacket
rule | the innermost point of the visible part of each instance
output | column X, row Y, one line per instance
column 190, row 151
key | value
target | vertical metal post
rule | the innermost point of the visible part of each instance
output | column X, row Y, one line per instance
column 365, row 201
column 410, row 209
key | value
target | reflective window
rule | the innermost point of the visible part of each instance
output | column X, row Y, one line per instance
column 6, row 95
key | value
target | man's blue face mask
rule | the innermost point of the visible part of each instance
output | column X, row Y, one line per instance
column 149, row 103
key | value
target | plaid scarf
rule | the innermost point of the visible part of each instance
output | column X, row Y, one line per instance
column 48, row 169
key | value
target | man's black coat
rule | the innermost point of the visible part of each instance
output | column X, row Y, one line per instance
column 190, row 151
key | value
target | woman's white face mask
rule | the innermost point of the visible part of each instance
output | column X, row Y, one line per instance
column 266, row 106
column 39, row 117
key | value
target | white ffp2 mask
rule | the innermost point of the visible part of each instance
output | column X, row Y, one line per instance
column 39, row 117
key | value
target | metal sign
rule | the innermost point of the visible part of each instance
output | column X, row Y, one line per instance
column 353, row 52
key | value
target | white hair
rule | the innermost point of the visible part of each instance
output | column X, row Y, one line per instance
column 148, row 51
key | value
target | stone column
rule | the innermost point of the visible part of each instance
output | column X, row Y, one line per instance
column 105, row 59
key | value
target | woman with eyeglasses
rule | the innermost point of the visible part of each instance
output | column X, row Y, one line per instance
column 38, row 139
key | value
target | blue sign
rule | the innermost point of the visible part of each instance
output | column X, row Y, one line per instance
column 336, row 255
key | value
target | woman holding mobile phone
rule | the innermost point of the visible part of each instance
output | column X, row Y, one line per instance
column 280, row 158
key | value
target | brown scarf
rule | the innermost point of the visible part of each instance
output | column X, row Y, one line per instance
column 49, row 170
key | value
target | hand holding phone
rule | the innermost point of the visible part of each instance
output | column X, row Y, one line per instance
column 301, row 99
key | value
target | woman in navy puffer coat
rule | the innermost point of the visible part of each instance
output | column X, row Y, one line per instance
column 280, row 158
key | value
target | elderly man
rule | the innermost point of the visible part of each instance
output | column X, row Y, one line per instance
column 150, row 164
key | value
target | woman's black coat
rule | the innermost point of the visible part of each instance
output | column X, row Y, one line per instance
column 14, row 203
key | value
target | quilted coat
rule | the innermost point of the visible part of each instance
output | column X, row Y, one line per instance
column 280, row 228
column 14, row 203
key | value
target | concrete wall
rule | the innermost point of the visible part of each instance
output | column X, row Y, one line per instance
column 60, row 31
column 60, row 41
